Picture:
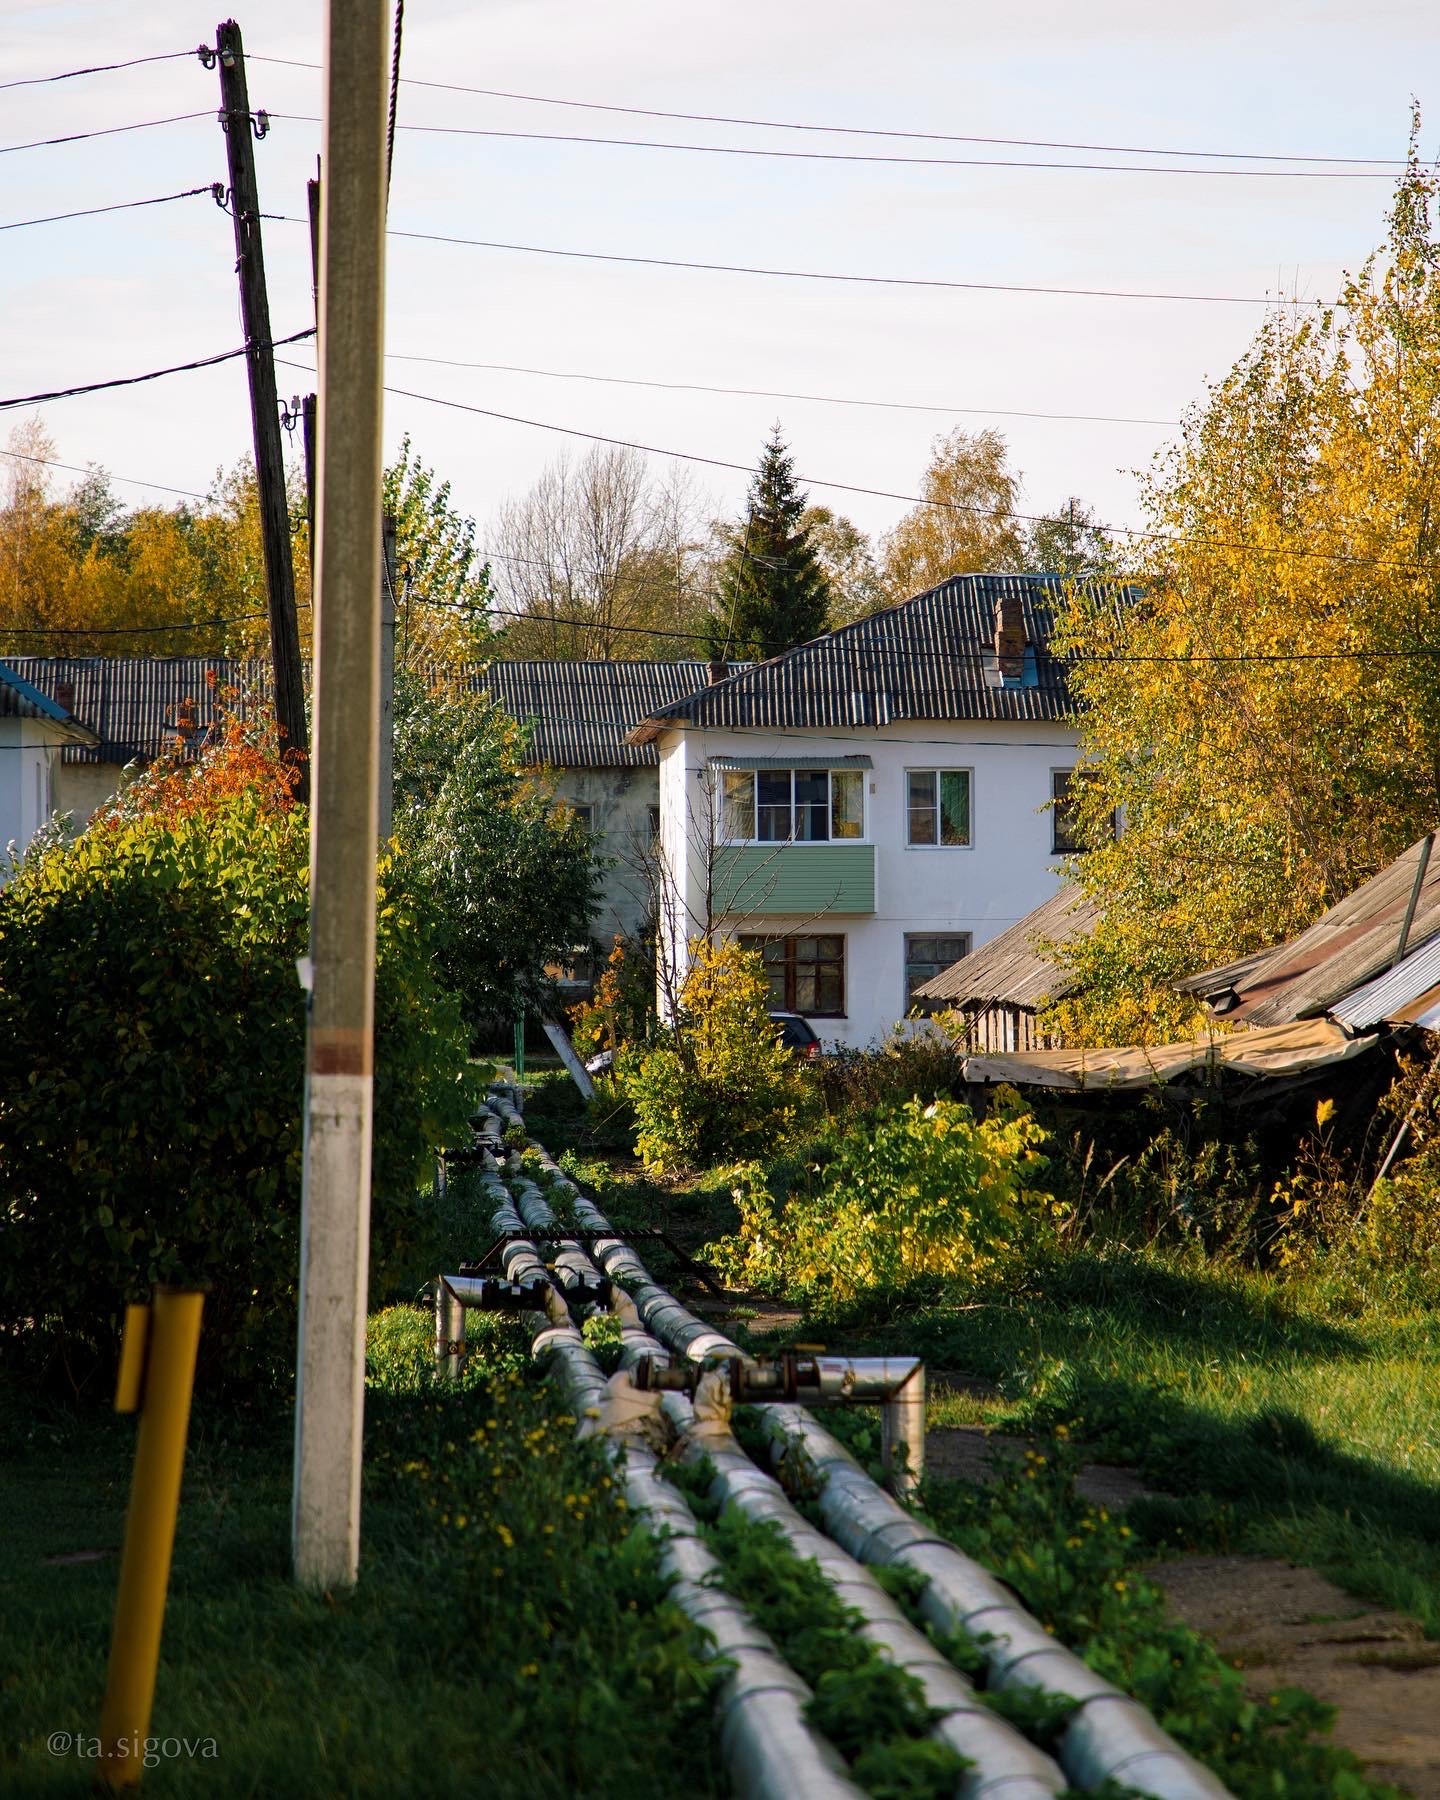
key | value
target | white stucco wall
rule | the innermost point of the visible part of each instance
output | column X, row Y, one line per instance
column 1008, row 868
column 28, row 753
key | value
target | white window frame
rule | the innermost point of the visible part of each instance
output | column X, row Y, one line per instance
column 938, row 770
column 829, row 770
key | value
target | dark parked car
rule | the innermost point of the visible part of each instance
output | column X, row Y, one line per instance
column 795, row 1033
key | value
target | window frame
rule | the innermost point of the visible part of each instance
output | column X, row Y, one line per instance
column 828, row 770
column 790, row 964
column 1057, row 774
column 939, row 771
column 909, row 937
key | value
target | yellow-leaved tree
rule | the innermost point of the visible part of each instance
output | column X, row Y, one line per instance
column 1264, row 710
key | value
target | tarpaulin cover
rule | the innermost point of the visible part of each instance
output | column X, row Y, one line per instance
column 1276, row 1050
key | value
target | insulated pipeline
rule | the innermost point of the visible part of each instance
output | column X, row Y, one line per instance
column 1109, row 1735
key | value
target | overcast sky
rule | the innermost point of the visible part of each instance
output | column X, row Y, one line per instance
column 120, row 294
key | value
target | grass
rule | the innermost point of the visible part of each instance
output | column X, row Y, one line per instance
column 509, row 1626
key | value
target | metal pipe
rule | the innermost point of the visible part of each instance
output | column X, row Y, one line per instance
column 449, row 1327
column 768, row 1749
column 902, row 1434
column 1001, row 1761
column 1109, row 1735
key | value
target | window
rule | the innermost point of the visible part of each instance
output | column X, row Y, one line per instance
column 583, row 812
column 784, row 806
column 1064, row 820
column 806, row 974
column 927, row 957
column 938, row 807
column 653, row 813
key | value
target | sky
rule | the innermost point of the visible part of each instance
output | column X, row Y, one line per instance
column 126, row 292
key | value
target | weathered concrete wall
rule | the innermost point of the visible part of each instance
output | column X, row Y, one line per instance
column 620, row 803
column 80, row 787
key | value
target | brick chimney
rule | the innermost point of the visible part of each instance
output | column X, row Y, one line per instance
column 1010, row 640
column 719, row 670
column 65, row 695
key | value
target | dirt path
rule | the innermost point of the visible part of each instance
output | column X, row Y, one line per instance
column 1289, row 1627
column 1284, row 1626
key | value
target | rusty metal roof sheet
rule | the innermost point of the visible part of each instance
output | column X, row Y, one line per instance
column 1393, row 994
column 1347, row 946
column 932, row 657
column 1291, row 1049
column 1010, row 970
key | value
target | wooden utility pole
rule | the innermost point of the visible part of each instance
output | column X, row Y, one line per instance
column 235, row 118
column 335, row 1211
column 310, row 405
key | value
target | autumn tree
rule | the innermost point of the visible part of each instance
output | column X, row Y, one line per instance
column 599, row 559
column 443, row 591
column 771, row 592
column 965, row 524
column 1265, row 708
column 1070, row 541
column 847, row 560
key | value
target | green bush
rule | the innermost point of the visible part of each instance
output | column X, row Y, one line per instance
column 719, row 1085
column 150, row 1119
column 924, row 1196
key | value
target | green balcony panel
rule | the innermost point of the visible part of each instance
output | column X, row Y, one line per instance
column 795, row 878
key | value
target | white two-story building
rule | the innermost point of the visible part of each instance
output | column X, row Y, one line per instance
column 870, row 806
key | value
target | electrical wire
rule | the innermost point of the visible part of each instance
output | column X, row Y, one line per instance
column 94, row 631
column 855, row 156
column 941, row 137
column 214, row 188
column 200, row 362
column 76, row 469
column 851, row 487
column 905, row 281
column 696, row 387
column 76, row 137
column 97, row 69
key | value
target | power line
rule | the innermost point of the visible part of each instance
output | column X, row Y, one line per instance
column 92, row 631
column 1062, row 662
column 77, row 469
column 854, row 156
column 215, row 189
column 696, row 387
column 134, row 62
column 941, row 137
column 95, row 387
column 76, row 137
column 905, row 281
column 851, row 487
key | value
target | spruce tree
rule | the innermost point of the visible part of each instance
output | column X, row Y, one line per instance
column 772, row 593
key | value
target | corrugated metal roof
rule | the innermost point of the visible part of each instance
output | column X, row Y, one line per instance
column 800, row 759
column 1353, row 942
column 1009, row 970
column 582, row 712
column 932, row 657
column 1393, row 994
column 19, row 700
column 138, row 705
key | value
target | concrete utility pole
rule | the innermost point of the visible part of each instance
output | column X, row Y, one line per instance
column 235, row 117
column 387, row 676
column 335, row 1216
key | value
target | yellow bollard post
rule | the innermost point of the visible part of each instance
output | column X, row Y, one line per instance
column 157, row 1371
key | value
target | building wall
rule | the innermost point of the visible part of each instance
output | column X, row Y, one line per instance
column 28, row 758
column 620, row 822
column 81, row 787
column 1007, row 870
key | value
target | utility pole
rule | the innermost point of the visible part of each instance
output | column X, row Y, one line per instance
column 335, row 1212
column 387, row 676
column 310, row 405
column 237, row 123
